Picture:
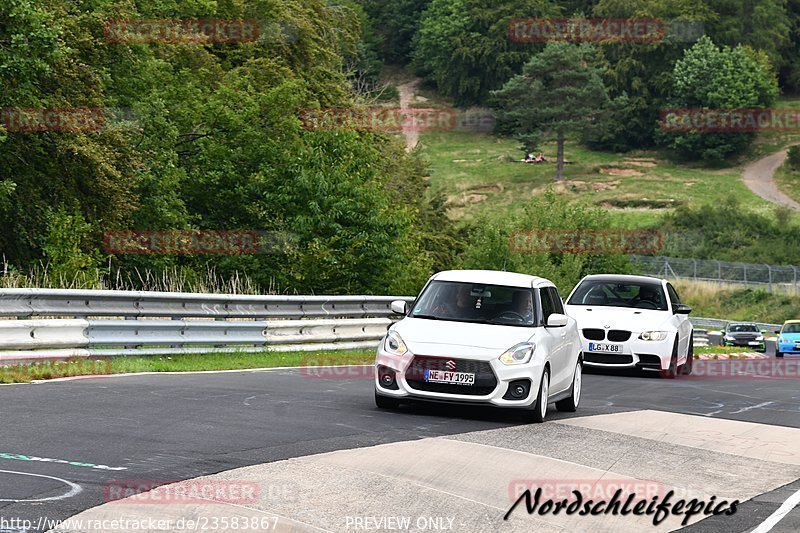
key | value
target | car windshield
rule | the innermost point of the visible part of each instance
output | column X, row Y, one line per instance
column 741, row 328
column 639, row 295
column 475, row 302
column 791, row 328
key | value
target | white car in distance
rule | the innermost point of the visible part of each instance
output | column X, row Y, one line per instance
column 632, row 322
column 482, row 337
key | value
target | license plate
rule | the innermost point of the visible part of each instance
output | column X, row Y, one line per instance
column 454, row 378
column 754, row 343
column 605, row 347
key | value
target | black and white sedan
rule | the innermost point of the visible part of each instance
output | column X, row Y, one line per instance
column 632, row 322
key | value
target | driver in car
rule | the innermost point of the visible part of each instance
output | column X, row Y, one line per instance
column 649, row 295
column 522, row 305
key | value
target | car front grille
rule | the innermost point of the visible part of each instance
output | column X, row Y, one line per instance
column 485, row 380
column 594, row 334
column 607, row 358
column 618, row 335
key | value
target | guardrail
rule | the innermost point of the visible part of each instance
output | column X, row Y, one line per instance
column 53, row 323
column 119, row 323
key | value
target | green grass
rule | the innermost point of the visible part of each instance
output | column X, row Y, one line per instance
column 479, row 173
column 711, row 300
column 180, row 363
column 788, row 181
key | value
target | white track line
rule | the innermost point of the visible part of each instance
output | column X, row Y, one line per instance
column 778, row 515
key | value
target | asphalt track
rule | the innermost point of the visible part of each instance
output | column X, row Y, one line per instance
column 326, row 459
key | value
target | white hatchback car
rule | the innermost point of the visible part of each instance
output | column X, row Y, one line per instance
column 632, row 322
column 481, row 336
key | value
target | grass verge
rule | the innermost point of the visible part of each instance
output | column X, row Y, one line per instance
column 179, row 363
column 719, row 350
column 713, row 300
column 788, row 181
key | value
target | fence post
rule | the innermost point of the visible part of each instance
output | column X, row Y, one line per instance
column 769, row 270
column 694, row 262
column 719, row 272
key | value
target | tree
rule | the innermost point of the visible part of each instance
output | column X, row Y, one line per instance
column 464, row 46
column 559, row 92
column 396, row 22
column 742, row 79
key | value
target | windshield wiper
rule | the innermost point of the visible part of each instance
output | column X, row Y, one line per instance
column 429, row 317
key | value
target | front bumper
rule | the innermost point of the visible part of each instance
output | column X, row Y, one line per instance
column 790, row 348
column 408, row 381
column 635, row 353
column 746, row 343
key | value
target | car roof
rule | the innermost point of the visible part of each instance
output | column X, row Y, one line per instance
column 493, row 277
column 792, row 322
column 623, row 278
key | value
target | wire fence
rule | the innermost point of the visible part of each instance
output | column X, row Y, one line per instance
column 771, row 278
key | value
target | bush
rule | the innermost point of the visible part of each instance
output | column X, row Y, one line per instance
column 794, row 157
column 488, row 239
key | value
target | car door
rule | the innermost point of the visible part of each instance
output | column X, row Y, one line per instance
column 681, row 321
column 562, row 343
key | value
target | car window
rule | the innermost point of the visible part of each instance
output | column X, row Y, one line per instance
column 791, row 328
column 547, row 304
column 608, row 293
column 741, row 328
column 558, row 305
column 473, row 302
column 673, row 295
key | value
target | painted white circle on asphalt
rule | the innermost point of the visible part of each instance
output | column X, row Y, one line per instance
column 74, row 488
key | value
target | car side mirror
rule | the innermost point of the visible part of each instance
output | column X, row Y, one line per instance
column 557, row 320
column 399, row 306
column 682, row 309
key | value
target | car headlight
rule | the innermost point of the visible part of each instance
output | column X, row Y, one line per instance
column 518, row 354
column 653, row 335
column 760, row 338
column 729, row 338
column 394, row 344
column 781, row 340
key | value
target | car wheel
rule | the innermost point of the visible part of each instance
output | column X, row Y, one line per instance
column 686, row 368
column 778, row 354
column 384, row 402
column 539, row 410
column 672, row 371
column 570, row 405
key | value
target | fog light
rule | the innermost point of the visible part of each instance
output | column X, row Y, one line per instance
column 518, row 389
column 386, row 378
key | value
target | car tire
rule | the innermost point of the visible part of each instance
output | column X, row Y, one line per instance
column 778, row 354
column 384, row 402
column 672, row 371
column 686, row 368
column 570, row 405
column 539, row 409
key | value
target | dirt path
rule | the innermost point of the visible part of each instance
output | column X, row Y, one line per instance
column 406, row 92
column 759, row 177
